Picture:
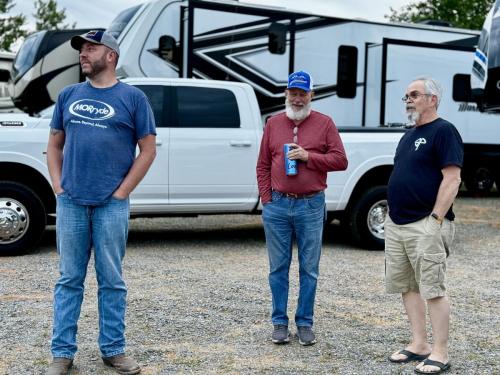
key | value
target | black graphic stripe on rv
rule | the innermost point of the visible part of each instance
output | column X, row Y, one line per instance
column 244, row 35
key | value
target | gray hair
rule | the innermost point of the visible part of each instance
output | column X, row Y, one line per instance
column 431, row 87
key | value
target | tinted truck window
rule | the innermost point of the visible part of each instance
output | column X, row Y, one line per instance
column 203, row 107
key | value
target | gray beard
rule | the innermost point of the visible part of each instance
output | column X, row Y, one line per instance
column 297, row 115
column 413, row 117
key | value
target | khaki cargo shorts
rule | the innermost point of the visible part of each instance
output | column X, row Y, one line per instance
column 415, row 256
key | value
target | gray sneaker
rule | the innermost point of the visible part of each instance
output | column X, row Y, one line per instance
column 60, row 366
column 281, row 334
column 306, row 335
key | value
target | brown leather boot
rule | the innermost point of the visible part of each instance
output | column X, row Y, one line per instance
column 122, row 364
column 60, row 366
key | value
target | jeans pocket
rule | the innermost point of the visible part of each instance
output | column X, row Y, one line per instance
column 433, row 268
column 275, row 197
column 316, row 202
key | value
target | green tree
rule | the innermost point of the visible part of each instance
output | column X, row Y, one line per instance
column 468, row 14
column 48, row 17
column 10, row 27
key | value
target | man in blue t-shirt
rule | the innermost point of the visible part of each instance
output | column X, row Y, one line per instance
column 91, row 158
column 419, row 228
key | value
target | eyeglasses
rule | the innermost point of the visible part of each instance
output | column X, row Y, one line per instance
column 413, row 96
column 295, row 131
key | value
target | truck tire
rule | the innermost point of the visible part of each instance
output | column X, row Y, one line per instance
column 480, row 180
column 367, row 216
column 22, row 218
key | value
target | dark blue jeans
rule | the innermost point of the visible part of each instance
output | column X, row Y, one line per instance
column 285, row 220
column 78, row 229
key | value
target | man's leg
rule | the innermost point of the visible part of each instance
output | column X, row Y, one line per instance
column 109, row 231
column 439, row 313
column 400, row 278
column 278, row 229
column 415, row 309
column 73, row 246
column 308, row 218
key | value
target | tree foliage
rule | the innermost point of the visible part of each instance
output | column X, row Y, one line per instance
column 10, row 27
column 468, row 14
column 48, row 17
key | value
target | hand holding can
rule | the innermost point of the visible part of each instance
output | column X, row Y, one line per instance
column 290, row 165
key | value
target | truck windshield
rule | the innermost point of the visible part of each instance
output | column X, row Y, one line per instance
column 26, row 55
column 121, row 21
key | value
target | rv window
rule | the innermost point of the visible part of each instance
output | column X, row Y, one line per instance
column 347, row 71
column 277, row 38
column 25, row 57
column 121, row 21
column 204, row 107
column 157, row 96
column 4, row 75
column 461, row 88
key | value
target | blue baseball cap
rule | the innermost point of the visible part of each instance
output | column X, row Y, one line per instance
column 96, row 37
column 300, row 80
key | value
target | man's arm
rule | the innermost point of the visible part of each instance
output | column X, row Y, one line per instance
column 55, row 157
column 264, row 169
column 447, row 190
column 147, row 153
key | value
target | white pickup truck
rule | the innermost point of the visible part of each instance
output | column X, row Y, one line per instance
column 207, row 146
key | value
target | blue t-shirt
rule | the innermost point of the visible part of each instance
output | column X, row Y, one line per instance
column 102, row 127
column 414, row 183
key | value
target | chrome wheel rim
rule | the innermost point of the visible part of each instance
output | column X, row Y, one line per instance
column 14, row 221
column 376, row 218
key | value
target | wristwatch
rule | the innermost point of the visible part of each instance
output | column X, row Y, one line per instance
column 436, row 216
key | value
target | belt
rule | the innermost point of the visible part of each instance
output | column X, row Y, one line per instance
column 297, row 196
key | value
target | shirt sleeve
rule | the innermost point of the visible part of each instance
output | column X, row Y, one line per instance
column 449, row 146
column 334, row 158
column 144, row 118
column 264, row 168
column 57, row 116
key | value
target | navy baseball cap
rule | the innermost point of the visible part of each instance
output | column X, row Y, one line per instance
column 96, row 37
column 300, row 80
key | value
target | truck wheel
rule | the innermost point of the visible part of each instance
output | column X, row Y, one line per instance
column 367, row 217
column 22, row 218
column 480, row 181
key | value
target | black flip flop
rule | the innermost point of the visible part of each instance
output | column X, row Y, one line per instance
column 410, row 356
column 429, row 362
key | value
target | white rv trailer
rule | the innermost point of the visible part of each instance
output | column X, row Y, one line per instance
column 360, row 68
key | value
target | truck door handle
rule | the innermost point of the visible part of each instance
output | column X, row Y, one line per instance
column 159, row 142
column 240, row 143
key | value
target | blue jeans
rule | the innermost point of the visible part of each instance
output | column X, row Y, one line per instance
column 78, row 229
column 286, row 219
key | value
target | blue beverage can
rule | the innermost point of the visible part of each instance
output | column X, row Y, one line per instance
column 290, row 165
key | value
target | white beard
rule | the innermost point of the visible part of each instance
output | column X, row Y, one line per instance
column 413, row 116
column 297, row 115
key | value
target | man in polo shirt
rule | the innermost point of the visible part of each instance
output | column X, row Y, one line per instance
column 294, row 206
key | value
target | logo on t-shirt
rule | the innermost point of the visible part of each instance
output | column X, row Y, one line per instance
column 91, row 109
column 420, row 141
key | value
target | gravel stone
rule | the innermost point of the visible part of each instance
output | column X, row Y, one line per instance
column 199, row 302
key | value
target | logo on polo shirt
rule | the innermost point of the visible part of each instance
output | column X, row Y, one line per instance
column 91, row 109
column 420, row 141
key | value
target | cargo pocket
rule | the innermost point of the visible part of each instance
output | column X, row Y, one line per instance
column 432, row 269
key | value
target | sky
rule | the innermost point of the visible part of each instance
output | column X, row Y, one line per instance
column 99, row 13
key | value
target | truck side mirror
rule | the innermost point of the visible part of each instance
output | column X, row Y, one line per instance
column 166, row 47
column 277, row 38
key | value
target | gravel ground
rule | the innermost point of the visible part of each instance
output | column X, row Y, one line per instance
column 199, row 302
